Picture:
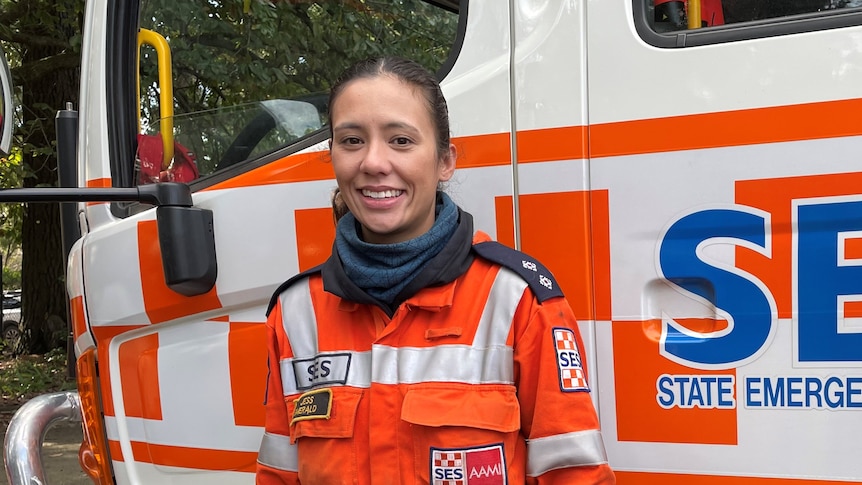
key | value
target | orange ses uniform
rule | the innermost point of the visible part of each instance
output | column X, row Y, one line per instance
column 478, row 381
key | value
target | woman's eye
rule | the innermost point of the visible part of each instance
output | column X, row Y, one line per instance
column 401, row 141
column 351, row 140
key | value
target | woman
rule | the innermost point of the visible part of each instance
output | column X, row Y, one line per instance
column 415, row 354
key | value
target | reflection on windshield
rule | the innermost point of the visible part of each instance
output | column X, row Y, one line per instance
column 222, row 137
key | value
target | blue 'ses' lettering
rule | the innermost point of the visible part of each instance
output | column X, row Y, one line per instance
column 824, row 278
column 737, row 294
column 448, row 474
column 570, row 359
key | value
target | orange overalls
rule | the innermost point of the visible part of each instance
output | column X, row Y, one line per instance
column 475, row 382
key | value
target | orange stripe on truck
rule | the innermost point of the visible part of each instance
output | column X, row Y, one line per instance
column 809, row 121
column 103, row 335
column 550, row 144
column 564, row 244
column 160, row 302
column 315, row 233
column 247, row 375
column 185, row 457
column 139, row 375
column 99, row 183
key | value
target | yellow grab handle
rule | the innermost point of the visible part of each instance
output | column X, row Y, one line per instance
column 166, row 91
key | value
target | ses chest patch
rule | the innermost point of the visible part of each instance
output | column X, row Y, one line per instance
column 469, row 466
column 569, row 365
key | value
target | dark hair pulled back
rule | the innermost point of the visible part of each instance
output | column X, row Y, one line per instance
column 409, row 72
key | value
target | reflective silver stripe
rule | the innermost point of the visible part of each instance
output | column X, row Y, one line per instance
column 277, row 452
column 298, row 319
column 499, row 310
column 444, row 363
column 300, row 326
column 487, row 361
column 581, row 448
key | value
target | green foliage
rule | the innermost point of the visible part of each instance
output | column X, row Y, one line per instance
column 11, row 277
column 25, row 376
column 11, row 217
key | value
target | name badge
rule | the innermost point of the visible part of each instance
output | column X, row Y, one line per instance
column 315, row 404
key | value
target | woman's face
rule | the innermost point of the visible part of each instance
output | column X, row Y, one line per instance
column 384, row 152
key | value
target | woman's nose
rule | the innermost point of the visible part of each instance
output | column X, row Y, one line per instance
column 376, row 159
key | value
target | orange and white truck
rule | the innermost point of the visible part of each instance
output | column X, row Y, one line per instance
column 690, row 171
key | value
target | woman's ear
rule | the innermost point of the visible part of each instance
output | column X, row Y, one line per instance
column 447, row 164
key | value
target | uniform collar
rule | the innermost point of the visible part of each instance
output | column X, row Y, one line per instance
column 430, row 289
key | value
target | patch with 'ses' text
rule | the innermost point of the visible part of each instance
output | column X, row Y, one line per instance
column 571, row 369
column 315, row 404
column 469, row 466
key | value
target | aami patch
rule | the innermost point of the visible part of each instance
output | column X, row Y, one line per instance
column 315, row 404
column 571, row 370
column 469, row 466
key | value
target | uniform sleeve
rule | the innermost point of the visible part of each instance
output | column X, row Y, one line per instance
column 564, row 444
column 277, row 458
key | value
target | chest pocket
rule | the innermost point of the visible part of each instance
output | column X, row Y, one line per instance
column 324, row 438
column 464, row 417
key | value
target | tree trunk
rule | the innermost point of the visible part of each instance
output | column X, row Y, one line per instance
column 44, row 305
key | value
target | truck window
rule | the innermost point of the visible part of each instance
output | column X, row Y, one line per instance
column 249, row 78
column 670, row 23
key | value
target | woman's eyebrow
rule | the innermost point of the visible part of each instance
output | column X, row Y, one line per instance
column 349, row 125
column 397, row 125
column 400, row 125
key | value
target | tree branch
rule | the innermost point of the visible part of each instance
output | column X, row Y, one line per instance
column 35, row 70
column 11, row 35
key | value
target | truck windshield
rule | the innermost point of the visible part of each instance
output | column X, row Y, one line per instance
column 245, row 78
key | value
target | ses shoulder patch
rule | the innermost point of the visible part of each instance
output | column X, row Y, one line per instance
column 537, row 276
column 569, row 365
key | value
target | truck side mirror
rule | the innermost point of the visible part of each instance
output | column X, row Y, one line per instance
column 6, row 109
column 187, row 241
column 186, row 236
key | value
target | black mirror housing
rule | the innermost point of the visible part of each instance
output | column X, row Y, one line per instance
column 187, row 243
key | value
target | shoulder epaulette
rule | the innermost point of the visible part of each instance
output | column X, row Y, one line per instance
column 288, row 283
column 537, row 276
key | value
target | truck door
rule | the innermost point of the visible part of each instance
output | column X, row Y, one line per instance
column 231, row 99
column 729, row 154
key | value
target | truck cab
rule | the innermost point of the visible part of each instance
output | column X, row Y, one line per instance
column 693, row 184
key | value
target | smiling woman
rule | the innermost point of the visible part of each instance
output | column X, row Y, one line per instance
column 412, row 312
